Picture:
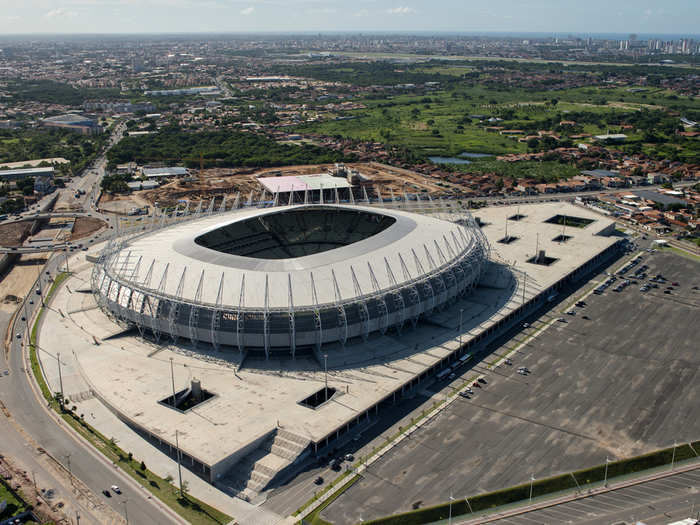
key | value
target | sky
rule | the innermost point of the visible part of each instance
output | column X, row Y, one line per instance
column 194, row 16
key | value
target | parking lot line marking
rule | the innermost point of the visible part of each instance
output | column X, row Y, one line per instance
column 603, row 498
column 641, row 488
column 674, row 484
column 556, row 510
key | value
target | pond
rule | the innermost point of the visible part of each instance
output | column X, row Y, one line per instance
column 459, row 159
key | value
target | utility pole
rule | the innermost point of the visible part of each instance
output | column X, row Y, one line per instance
column 172, row 378
column 60, row 378
column 70, row 472
column 673, row 457
column 179, row 466
column 605, row 480
column 449, row 520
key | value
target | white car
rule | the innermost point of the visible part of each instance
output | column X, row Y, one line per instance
column 116, row 489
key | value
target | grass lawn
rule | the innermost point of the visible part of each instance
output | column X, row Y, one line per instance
column 14, row 505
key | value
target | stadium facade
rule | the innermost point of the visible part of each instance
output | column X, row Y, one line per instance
column 290, row 278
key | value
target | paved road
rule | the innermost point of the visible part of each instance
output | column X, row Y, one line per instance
column 29, row 413
column 86, row 464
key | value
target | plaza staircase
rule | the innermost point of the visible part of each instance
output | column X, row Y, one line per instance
column 269, row 462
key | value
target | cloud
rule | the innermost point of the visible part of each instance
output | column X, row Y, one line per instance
column 361, row 12
column 60, row 12
column 247, row 11
column 401, row 10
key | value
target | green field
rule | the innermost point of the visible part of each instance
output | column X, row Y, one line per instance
column 442, row 121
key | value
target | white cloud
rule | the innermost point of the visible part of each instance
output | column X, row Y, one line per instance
column 247, row 11
column 60, row 12
column 401, row 10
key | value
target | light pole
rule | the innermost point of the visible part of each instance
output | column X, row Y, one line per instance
column 605, row 480
column 461, row 312
column 172, row 379
column 179, row 467
column 673, row 457
column 60, row 378
column 532, row 480
column 449, row 521
column 70, row 472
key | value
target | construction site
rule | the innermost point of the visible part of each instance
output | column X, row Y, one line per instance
column 376, row 179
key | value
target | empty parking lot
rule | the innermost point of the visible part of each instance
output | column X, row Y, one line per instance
column 622, row 382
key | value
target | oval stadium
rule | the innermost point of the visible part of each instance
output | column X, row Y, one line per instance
column 288, row 279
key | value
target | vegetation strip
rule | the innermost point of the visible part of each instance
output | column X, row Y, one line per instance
column 554, row 484
column 190, row 508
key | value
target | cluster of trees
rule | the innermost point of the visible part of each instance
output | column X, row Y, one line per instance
column 115, row 183
column 543, row 172
column 370, row 73
column 221, row 148
column 17, row 145
column 52, row 92
column 12, row 205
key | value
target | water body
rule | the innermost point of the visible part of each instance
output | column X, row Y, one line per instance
column 460, row 159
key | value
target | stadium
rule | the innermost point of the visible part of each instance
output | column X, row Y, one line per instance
column 289, row 279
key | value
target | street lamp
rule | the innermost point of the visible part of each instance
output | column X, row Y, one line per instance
column 605, row 480
column 449, row 521
column 532, row 480
column 673, row 457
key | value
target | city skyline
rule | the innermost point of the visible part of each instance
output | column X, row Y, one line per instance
column 679, row 17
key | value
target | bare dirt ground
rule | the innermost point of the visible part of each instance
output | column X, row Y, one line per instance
column 16, row 283
column 121, row 204
column 84, row 226
column 14, row 233
column 206, row 184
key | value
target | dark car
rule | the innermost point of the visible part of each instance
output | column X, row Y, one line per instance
column 107, row 493
column 318, row 481
column 482, row 380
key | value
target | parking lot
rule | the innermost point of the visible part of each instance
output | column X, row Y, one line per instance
column 655, row 502
column 619, row 383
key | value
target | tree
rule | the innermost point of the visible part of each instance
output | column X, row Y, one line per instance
column 142, row 466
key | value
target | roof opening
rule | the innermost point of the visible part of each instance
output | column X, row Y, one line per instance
column 569, row 220
column 318, row 398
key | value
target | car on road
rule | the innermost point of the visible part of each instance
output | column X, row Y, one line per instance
column 318, row 480
column 667, row 291
column 116, row 489
column 107, row 493
column 526, row 325
column 349, row 457
column 482, row 380
column 464, row 395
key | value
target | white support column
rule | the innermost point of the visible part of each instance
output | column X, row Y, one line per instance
column 381, row 302
column 240, row 318
column 317, row 314
column 266, row 319
column 342, row 317
column 194, row 311
column 292, row 321
column 216, row 315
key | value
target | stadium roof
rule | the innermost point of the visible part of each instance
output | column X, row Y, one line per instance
column 163, row 172
column 303, row 182
column 176, row 249
column 28, row 172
